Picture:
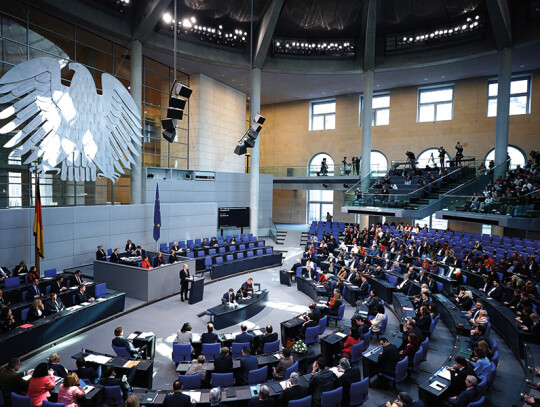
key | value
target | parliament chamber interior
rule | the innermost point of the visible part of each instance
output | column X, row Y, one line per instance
column 269, row 203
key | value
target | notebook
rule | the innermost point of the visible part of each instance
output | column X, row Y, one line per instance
column 445, row 374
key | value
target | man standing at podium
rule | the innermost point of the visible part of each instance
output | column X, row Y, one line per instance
column 184, row 282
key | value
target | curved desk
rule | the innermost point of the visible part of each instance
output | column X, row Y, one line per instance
column 310, row 287
column 225, row 316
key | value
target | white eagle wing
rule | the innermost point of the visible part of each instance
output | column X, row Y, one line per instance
column 37, row 85
column 120, row 130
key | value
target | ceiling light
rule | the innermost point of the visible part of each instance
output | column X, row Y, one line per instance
column 193, row 20
column 167, row 18
column 220, row 27
column 186, row 23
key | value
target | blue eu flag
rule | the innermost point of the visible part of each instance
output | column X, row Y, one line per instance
column 157, row 216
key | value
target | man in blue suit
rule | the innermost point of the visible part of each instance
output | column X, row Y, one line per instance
column 120, row 342
column 467, row 396
column 177, row 398
column 209, row 336
column 244, row 337
column 247, row 363
column 228, row 297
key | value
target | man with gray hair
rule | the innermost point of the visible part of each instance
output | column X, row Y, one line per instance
column 469, row 395
column 264, row 399
column 293, row 391
column 350, row 375
column 215, row 397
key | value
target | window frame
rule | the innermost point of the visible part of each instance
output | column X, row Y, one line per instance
column 374, row 111
column 324, row 115
column 528, row 94
column 422, row 89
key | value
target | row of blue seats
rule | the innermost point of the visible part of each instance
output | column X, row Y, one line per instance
column 15, row 281
column 209, row 261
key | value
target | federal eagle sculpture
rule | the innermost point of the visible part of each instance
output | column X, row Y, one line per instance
column 88, row 135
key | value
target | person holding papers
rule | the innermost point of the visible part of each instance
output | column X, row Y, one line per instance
column 293, row 391
column 228, row 297
column 109, row 379
column 248, row 285
column 70, row 391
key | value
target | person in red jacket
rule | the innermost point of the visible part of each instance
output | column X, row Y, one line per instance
column 40, row 383
column 411, row 348
column 352, row 339
column 145, row 264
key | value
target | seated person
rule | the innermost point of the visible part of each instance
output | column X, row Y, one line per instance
column 458, row 373
column 228, row 297
column 350, row 375
column 70, row 390
column 268, row 337
column 308, row 324
column 317, row 314
column 115, row 256
column 33, row 274
column 408, row 328
column 223, row 363
column 175, row 247
column 244, row 336
column 54, row 305
column 404, row 400
column 411, row 348
column 242, row 294
column 172, row 257
column 140, row 252
column 34, row 290
column 86, row 373
column 377, row 321
column 109, row 379
column 145, row 264
column 247, row 364
column 209, row 336
column 423, row 321
column 159, row 261
column 285, row 362
column 77, row 279
column 58, row 285
column 264, row 399
column 100, row 254
column 37, row 311
column 177, row 398
column 11, row 380
column 482, row 366
column 120, row 342
column 334, row 304
column 321, row 380
column 372, row 303
column 248, row 285
column 8, row 320
column 81, row 295
column 357, row 322
column 54, row 364
column 467, row 396
column 197, row 367
column 130, row 247
column 294, row 392
column 352, row 339
column 387, row 360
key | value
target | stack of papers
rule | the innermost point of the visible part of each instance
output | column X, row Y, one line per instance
column 88, row 389
column 337, row 371
column 437, row 385
column 130, row 363
column 195, row 396
column 132, row 336
column 74, row 307
column 285, row 384
column 99, row 359
column 445, row 374
column 85, row 303
column 143, row 335
column 196, row 337
column 257, row 332
column 341, row 334
column 228, row 337
column 276, row 355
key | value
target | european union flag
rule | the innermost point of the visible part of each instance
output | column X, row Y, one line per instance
column 157, row 216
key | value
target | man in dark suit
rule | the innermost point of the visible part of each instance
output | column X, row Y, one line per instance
column 228, row 297
column 357, row 322
column 479, row 335
column 364, row 287
column 209, row 336
column 317, row 314
column 115, row 256
column 248, row 285
column 54, row 305
column 223, row 363
column 388, row 359
column 58, row 285
column 109, row 379
column 308, row 324
column 81, row 295
column 321, row 380
column 77, row 278
column 404, row 285
column 100, row 254
column 294, row 392
column 244, row 337
column 350, row 375
column 269, row 336
column 184, row 282
column 496, row 291
column 84, row 372
column 11, row 380
column 372, row 303
column 140, row 252
column 120, row 342
column 130, row 247
column 247, row 364
column 35, row 291
column 177, row 398
column 410, row 328
column 432, row 284
column 467, row 396
column 458, row 373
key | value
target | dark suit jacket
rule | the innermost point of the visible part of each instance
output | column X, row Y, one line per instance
column 464, row 398
column 56, row 287
column 121, row 342
column 140, row 253
column 247, row 363
column 115, row 258
column 87, row 373
column 183, row 275
column 266, row 338
column 496, row 294
column 322, row 381
column 131, row 247
column 223, row 364
column 307, row 324
column 244, row 337
column 76, row 280
column 432, row 285
column 364, row 289
column 59, row 370
column 350, row 376
column 52, row 308
column 228, row 298
column 424, row 323
column 177, row 399
column 81, row 297
column 35, row 291
column 317, row 315
column 159, row 261
column 458, row 378
column 116, row 381
column 101, row 255
column 209, row 337
column 33, row 315
column 388, row 359
column 11, row 381
column 262, row 403
column 292, row 393
column 372, row 303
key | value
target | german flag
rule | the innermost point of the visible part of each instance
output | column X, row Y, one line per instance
column 38, row 223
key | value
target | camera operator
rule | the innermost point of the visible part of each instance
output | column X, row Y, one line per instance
column 459, row 153
column 442, row 154
column 411, row 159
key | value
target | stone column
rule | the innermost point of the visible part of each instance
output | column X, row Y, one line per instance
column 367, row 105
column 503, row 109
column 255, row 104
column 136, row 67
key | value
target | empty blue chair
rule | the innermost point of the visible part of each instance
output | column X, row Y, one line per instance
column 292, row 369
column 322, row 324
column 240, row 256
column 260, row 244
column 11, row 282
column 251, row 246
column 305, row 402
column 257, row 376
column 189, row 242
column 221, row 250
column 191, row 382
column 483, row 385
column 271, row 347
column 259, row 252
column 222, row 380
column 121, row 352
column 425, row 348
column 332, row 398
column 20, row 401
column 236, row 349
column 359, row 392
column 232, row 248
column 478, row 403
column 162, row 248
column 356, row 352
column 312, row 335
column 181, row 353
column 417, row 359
column 49, row 273
column 439, row 287
column 200, row 253
column 366, row 339
column 219, row 260
column 198, row 242
column 100, row 290
column 109, row 251
column 190, row 255
column 242, row 247
column 268, row 250
column 249, row 253
column 24, row 314
column 494, row 345
column 384, row 324
column 339, row 316
column 47, row 403
column 208, row 263
column 112, row 395
column 211, row 350
column 229, row 257
column 488, row 329
column 434, row 322
column 491, row 375
column 400, row 373
column 211, row 252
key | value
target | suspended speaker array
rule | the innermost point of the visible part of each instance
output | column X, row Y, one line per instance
column 178, row 98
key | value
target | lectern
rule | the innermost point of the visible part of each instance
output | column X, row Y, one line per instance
column 196, row 291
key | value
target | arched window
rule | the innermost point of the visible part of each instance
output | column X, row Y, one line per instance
column 319, row 201
column 517, row 157
column 314, row 166
column 378, row 162
column 425, row 158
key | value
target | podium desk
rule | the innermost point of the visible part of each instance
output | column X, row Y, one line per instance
column 196, row 291
column 285, row 277
column 139, row 341
column 225, row 316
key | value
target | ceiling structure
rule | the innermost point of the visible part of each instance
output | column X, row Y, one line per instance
column 410, row 46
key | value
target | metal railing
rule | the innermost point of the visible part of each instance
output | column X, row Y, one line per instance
column 333, row 170
column 272, row 231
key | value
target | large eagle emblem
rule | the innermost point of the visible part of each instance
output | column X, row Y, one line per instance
column 72, row 129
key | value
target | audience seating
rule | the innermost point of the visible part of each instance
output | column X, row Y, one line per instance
column 339, row 316
column 305, row 402
column 191, row 382
column 20, row 401
column 293, row 368
column 312, row 335
column 112, row 396
column 271, row 347
column 47, row 403
column 222, row 380
column 332, row 398
column 322, row 324
column 236, row 349
column 181, row 353
column 121, row 352
column 257, row 376
column 359, row 393
column 400, row 373
column 211, row 350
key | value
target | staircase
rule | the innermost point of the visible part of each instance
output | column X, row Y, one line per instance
column 304, row 238
column 281, row 235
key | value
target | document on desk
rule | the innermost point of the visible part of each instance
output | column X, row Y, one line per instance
column 195, row 396
column 408, row 309
column 99, row 359
column 228, row 337
column 87, row 389
column 341, row 334
column 75, row 307
column 85, row 303
column 132, row 336
column 130, row 363
column 257, row 332
column 196, row 337
column 144, row 335
column 337, row 371
column 437, row 385
column 445, row 374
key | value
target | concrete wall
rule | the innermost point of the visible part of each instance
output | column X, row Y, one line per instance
column 217, row 120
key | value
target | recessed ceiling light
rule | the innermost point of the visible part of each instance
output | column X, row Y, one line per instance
column 425, row 79
column 443, row 76
column 522, row 66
